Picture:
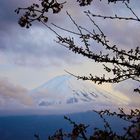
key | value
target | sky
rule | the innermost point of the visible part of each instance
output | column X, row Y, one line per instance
column 30, row 57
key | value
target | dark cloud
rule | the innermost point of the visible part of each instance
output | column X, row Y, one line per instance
column 8, row 18
column 7, row 8
column 33, row 47
column 36, row 45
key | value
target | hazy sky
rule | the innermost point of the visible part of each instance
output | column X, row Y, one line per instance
column 30, row 57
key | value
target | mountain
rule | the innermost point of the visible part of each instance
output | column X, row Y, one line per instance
column 65, row 92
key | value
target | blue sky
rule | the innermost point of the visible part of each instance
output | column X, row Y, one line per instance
column 30, row 57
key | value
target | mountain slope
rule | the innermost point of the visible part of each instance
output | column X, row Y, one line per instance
column 66, row 91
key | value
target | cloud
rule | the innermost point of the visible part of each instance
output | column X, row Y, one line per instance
column 33, row 47
column 128, row 90
column 11, row 94
column 36, row 46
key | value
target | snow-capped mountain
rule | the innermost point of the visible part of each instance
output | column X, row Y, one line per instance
column 67, row 91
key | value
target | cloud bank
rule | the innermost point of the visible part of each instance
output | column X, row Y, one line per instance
column 36, row 46
column 13, row 94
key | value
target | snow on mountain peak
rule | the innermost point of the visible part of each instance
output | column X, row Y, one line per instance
column 66, row 90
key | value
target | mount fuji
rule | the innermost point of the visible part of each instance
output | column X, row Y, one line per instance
column 63, row 95
column 65, row 92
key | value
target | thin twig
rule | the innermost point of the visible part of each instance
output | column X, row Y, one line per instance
column 132, row 11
